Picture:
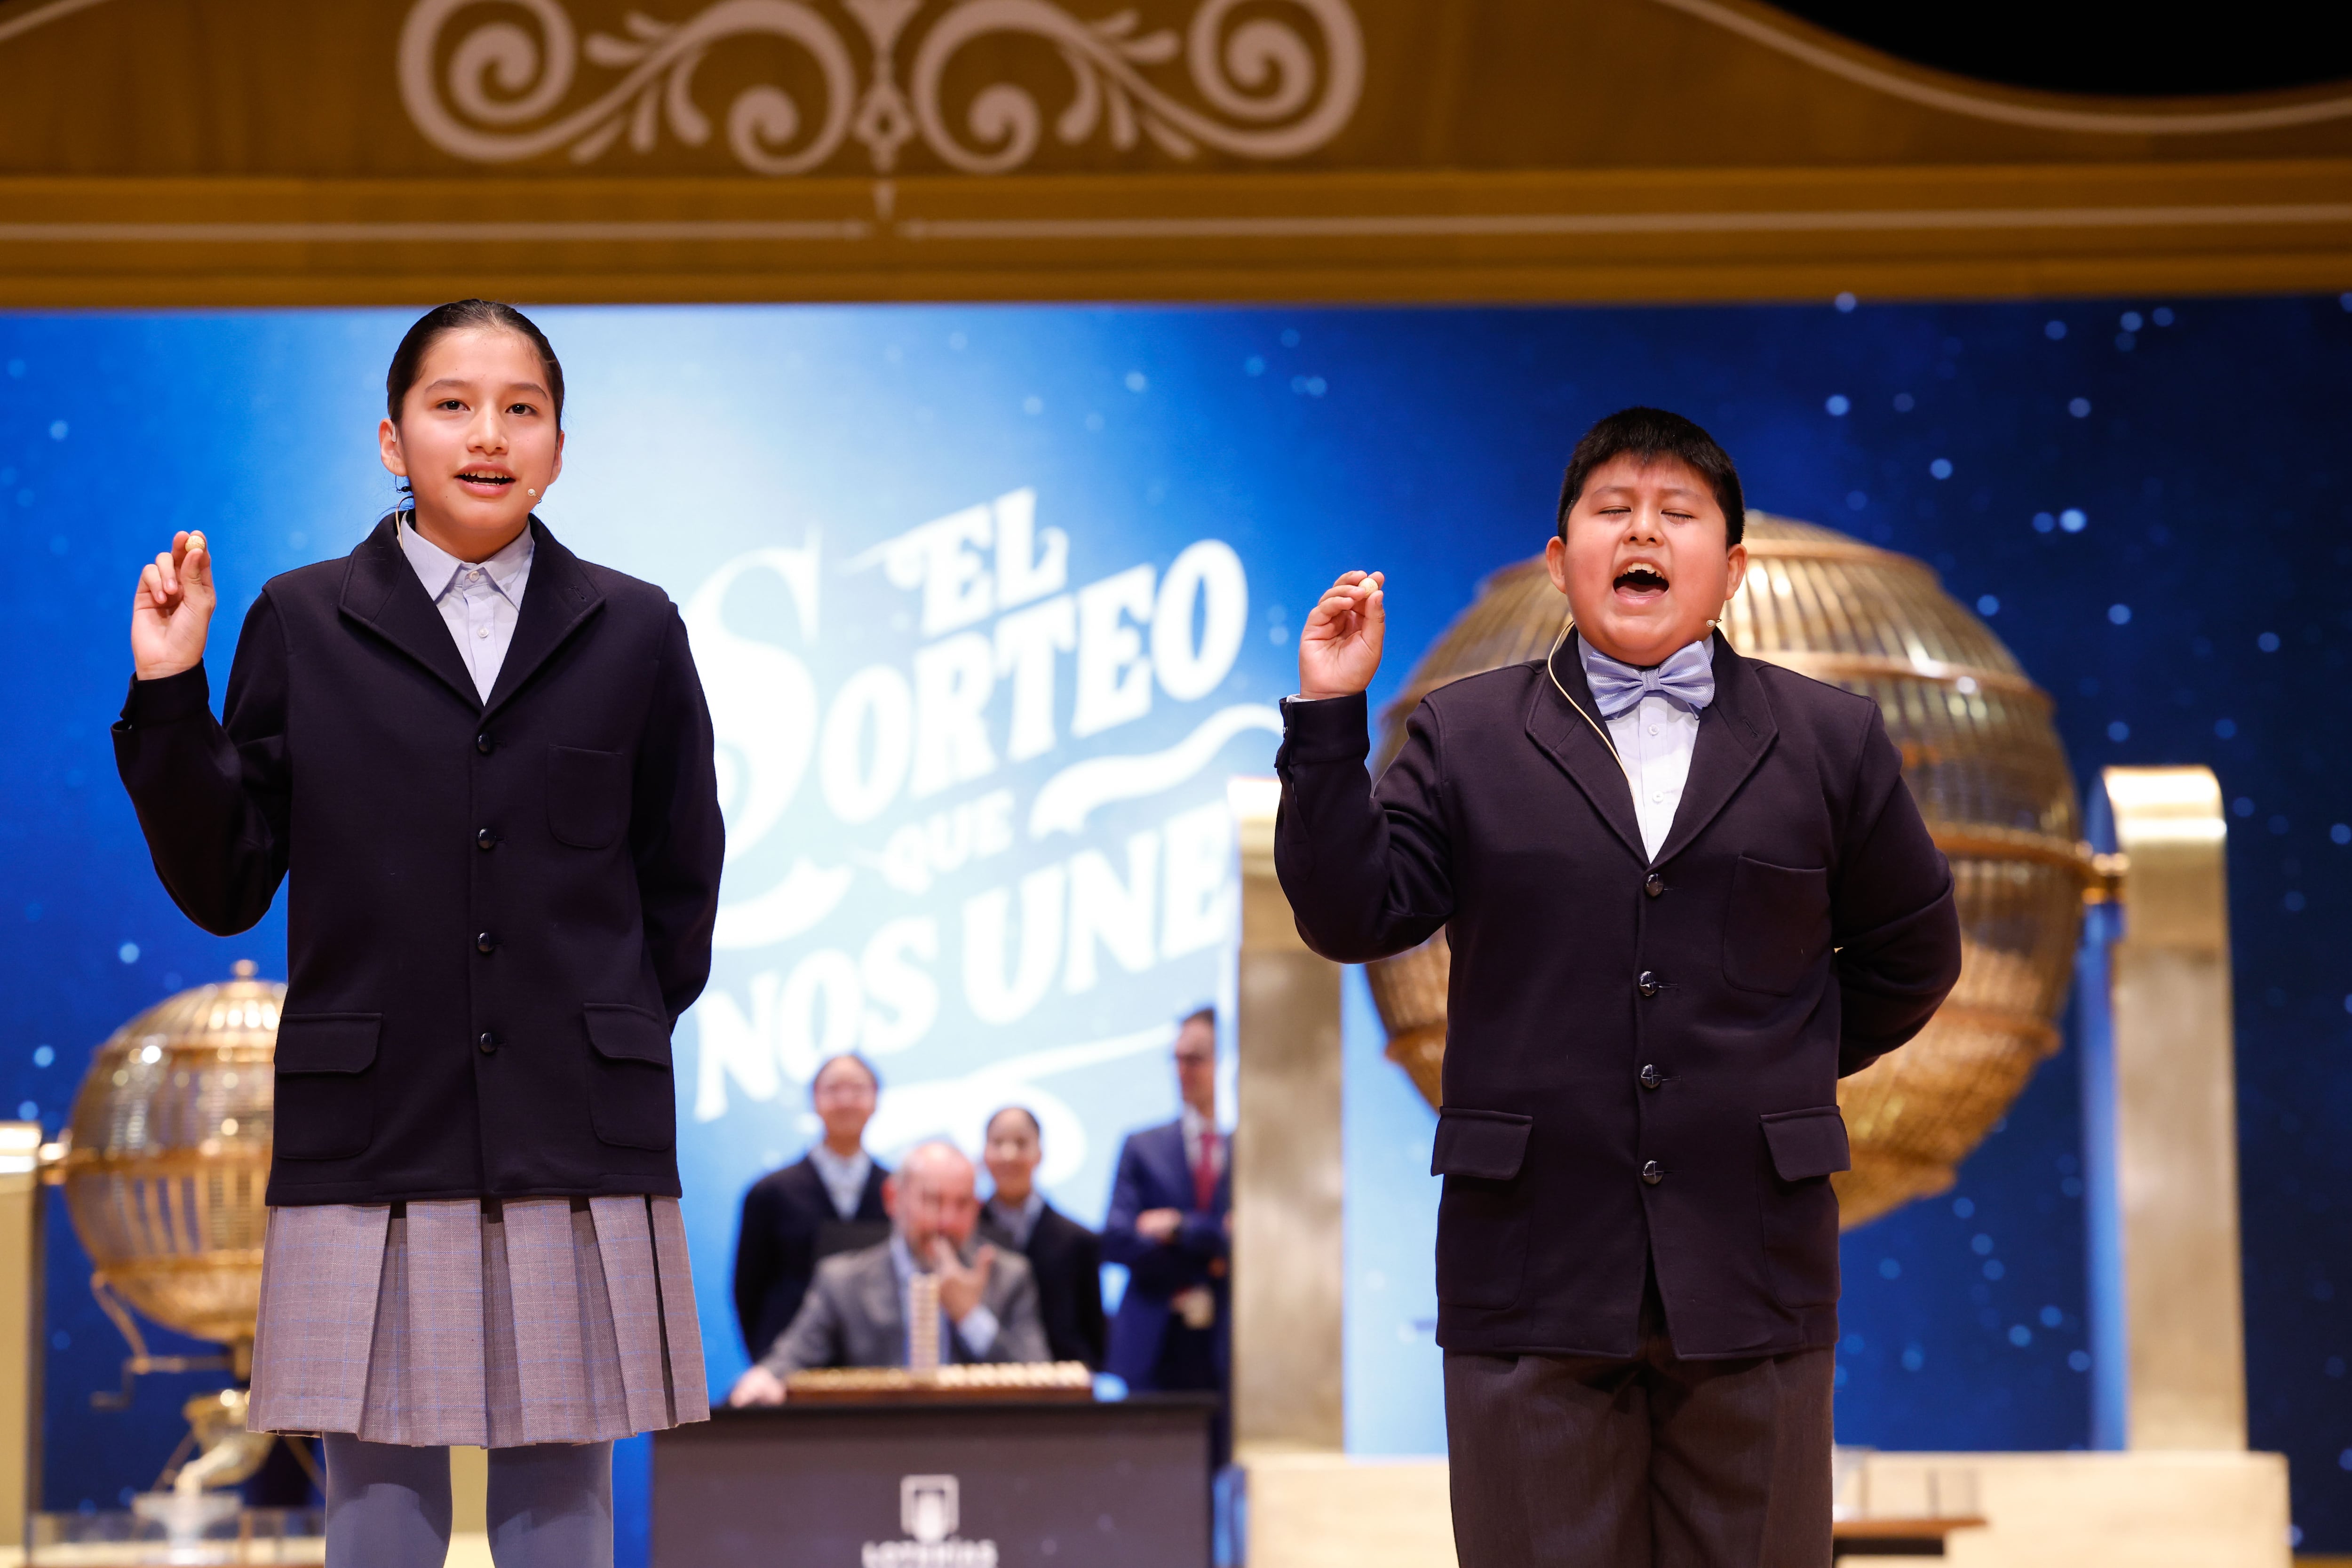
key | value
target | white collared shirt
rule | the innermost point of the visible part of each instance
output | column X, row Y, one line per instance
column 479, row 601
column 1654, row 737
column 1018, row 1221
column 845, row 1180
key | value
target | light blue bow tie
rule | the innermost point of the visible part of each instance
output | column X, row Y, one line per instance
column 1688, row 678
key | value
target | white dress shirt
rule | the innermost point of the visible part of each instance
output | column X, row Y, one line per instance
column 845, row 1180
column 479, row 601
column 1654, row 737
column 1018, row 1221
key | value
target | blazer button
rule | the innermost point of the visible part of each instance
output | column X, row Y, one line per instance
column 1648, row 984
column 1651, row 1078
column 482, row 742
column 1653, row 1173
column 486, row 942
column 1655, row 884
column 485, row 839
column 489, row 1042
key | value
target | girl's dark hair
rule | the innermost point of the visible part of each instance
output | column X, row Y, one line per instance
column 863, row 1066
column 1645, row 435
column 458, row 316
column 1020, row 1110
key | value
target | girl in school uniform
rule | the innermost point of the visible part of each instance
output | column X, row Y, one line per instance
column 487, row 766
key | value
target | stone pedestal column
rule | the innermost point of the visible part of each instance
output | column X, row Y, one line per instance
column 1289, row 1256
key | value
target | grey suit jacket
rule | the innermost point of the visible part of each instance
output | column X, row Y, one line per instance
column 853, row 1315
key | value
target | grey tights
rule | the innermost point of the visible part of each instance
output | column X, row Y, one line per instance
column 551, row 1505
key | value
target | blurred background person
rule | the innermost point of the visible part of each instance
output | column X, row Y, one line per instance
column 1171, row 1224
column 1065, row 1255
column 828, row 1201
column 855, row 1314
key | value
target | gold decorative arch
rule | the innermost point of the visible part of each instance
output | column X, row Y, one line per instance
column 272, row 151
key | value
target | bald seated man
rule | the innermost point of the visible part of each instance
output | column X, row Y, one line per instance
column 856, row 1310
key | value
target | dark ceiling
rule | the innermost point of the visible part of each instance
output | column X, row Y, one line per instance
column 2127, row 51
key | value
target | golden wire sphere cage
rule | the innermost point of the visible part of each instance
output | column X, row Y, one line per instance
column 167, row 1159
column 1982, row 759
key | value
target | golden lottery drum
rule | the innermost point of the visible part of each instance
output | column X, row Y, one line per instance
column 1982, row 759
column 167, row 1157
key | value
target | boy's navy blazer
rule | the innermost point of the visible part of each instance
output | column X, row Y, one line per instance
column 784, row 1213
column 497, row 908
column 1154, row 1174
column 1641, row 1058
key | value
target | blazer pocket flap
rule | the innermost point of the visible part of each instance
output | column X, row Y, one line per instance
column 328, row 1042
column 1487, row 1144
column 620, row 1032
column 1808, row 1143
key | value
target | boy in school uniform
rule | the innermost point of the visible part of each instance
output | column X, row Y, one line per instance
column 1685, row 892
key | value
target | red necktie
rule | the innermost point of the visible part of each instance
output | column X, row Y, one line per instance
column 1205, row 1174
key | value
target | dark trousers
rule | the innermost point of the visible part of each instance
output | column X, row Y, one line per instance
column 1654, row 1462
column 1188, row 1359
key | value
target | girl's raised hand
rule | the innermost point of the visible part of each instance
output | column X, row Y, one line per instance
column 172, row 609
column 1340, row 645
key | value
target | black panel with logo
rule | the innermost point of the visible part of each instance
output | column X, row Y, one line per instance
column 938, row 1486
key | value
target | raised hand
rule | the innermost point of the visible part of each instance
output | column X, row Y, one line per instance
column 1340, row 645
column 960, row 1288
column 172, row 609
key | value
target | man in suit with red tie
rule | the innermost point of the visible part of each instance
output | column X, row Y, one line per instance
column 1169, row 1224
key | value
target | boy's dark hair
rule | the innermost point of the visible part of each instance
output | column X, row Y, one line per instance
column 1646, row 435
column 458, row 316
column 1204, row 1014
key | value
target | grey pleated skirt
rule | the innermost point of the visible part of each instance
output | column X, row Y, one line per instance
column 478, row 1322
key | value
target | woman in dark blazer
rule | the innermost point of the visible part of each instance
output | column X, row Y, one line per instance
column 487, row 764
column 1065, row 1255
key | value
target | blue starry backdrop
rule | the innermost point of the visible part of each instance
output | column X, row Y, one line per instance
column 2146, row 499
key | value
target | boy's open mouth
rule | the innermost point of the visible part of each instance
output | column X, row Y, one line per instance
column 472, row 477
column 1641, row 580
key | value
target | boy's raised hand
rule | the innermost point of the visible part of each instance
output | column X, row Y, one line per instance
column 173, row 608
column 1340, row 645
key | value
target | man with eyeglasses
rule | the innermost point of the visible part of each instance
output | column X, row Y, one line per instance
column 1170, row 1222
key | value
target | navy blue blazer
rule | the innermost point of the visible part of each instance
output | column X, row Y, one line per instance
column 1153, row 1175
column 785, row 1215
column 1066, row 1258
column 498, row 909
column 1642, row 1054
